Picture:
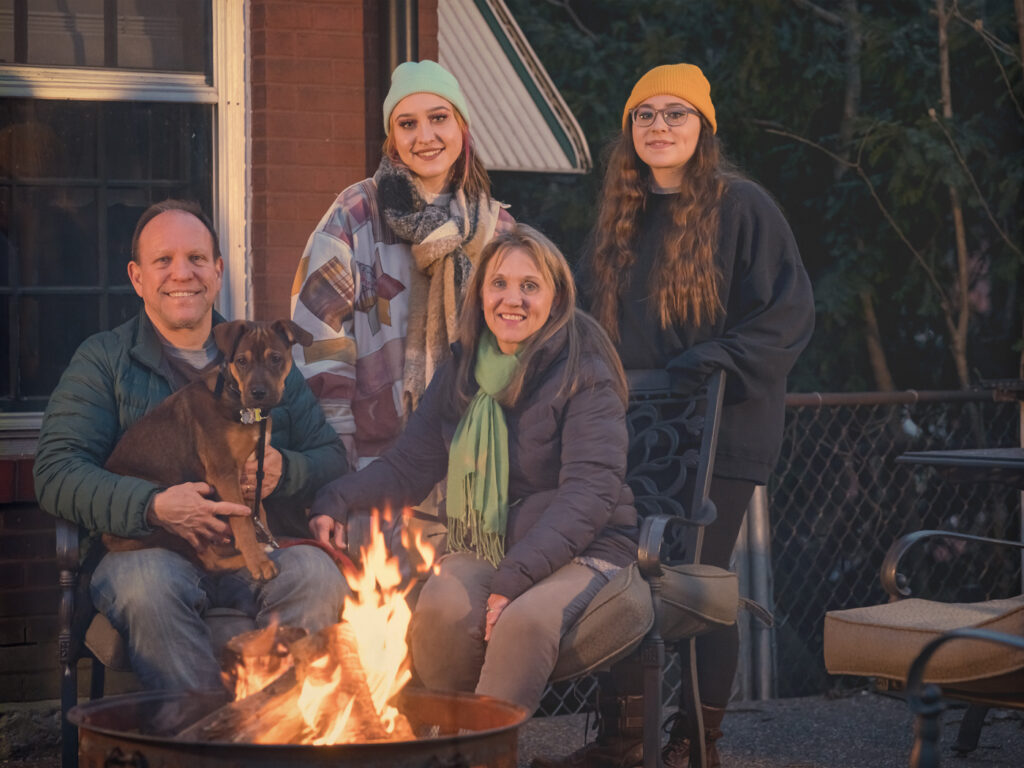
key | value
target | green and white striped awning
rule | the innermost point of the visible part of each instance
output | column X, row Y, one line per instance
column 520, row 121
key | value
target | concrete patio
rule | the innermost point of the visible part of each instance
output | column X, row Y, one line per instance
column 862, row 730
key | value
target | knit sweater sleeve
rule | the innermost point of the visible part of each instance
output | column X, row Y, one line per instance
column 769, row 307
column 324, row 294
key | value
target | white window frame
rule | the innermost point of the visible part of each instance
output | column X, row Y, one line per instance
column 231, row 152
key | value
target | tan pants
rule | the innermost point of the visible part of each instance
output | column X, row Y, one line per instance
column 447, row 631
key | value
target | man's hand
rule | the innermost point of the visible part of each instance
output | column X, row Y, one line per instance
column 272, row 466
column 185, row 511
column 495, row 605
column 329, row 531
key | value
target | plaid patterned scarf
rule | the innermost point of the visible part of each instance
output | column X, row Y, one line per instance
column 446, row 243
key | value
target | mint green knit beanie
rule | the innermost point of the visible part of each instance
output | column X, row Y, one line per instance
column 423, row 77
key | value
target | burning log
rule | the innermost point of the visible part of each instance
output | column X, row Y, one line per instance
column 322, row 698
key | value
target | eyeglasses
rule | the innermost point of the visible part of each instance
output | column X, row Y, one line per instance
column 673, row 116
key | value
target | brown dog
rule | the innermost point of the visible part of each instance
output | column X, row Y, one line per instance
column 205, row 432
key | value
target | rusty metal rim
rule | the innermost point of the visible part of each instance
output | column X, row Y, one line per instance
column 80, row 715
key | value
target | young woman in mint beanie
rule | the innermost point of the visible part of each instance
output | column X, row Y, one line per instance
column 692, row 267
column 527, row 421
column 381, row 279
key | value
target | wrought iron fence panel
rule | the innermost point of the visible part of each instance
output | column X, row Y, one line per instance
column 838, row 500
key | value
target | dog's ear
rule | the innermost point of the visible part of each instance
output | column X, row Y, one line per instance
column 292, row 333
column 227, row 336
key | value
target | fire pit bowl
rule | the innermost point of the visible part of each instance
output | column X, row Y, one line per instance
column 454, row 730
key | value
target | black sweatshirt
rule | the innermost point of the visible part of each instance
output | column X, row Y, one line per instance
column 768, row 320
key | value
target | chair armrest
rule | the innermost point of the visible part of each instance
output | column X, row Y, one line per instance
column 67, row 545
column 895, row 583
column 652, row 536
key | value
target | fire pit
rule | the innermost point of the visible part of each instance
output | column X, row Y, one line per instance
column 452, row 730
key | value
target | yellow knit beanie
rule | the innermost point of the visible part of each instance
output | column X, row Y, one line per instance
column 683, row 80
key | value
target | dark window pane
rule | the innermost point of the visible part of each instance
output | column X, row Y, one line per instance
column 57, row 236
column 124, row 206
column 50, row 330
column 157, row 144
column 6, row 31
column 5, row 347
column 48, row 139
column 67, row 214
column 141, row 34
column 122, row 306
column 5, row 244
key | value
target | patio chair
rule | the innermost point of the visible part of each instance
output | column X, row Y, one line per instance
column 925, row 699
column 85, row 634
column 882, row 641
column 668, row 596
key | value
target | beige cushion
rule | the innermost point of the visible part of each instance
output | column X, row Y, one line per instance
column 612, row 625
column 107, row 644
column 882, row 640
column 697, row 598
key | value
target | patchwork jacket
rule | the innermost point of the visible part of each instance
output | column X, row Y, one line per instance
column 351, row 291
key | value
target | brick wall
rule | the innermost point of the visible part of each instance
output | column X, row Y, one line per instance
column 316, row 127
column 28, row 589
column 29, row 595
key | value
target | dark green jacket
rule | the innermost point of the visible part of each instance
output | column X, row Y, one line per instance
column 113, row 379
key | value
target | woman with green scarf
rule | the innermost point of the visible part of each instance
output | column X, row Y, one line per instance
column 527, row 422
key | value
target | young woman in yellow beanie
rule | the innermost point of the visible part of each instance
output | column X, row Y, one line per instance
column 692, row 267
column 381, row 279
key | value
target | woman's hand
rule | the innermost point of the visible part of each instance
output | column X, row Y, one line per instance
column 329, row 531
column 495, row 605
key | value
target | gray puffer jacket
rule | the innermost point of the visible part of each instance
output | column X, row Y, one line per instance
column 567, row 463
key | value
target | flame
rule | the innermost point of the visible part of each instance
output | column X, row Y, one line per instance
column 345, row 689
column 264, row 659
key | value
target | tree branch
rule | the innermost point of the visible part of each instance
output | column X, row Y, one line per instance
column 859, row 170
column 564, row 5
column 978, row 25
column 821, row 13
column 974, row 183
column 995, row 47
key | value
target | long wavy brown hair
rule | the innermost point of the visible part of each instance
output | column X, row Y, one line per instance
column 468, row 170
column 684, row 282
column 584, row 335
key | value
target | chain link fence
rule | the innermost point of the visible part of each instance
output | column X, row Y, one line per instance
column 838, row 500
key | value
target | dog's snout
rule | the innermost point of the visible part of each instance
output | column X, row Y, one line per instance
column 258, row 393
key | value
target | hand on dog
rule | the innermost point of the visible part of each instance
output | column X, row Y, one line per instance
column 185, row 511
column 329, row 531
column 272, row 466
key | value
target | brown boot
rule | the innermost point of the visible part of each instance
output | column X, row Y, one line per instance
column 619, row 742
column 676, row 753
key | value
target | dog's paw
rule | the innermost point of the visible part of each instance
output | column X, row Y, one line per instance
column 264, row 570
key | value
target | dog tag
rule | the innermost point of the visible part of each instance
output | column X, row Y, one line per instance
column 251, row 415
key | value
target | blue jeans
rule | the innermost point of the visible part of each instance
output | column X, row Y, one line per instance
column 156, row 599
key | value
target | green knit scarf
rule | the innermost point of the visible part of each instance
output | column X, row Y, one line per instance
column 478, row 460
